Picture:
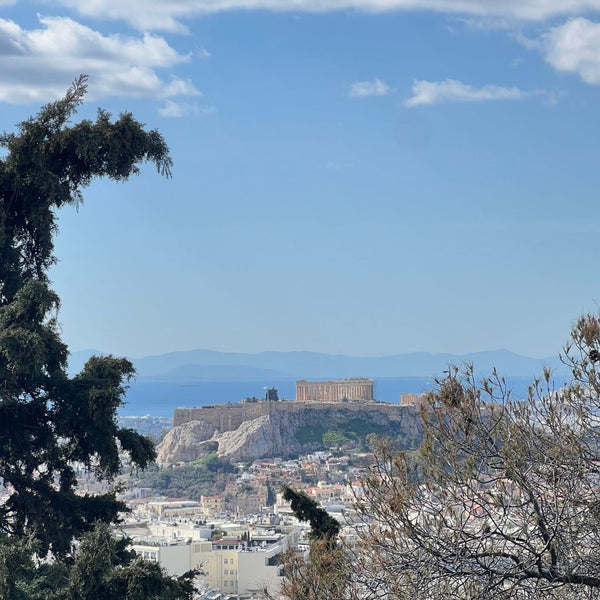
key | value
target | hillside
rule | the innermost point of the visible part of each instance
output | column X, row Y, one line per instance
column 290, row 430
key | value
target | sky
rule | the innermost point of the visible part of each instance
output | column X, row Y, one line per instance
column 363, row 177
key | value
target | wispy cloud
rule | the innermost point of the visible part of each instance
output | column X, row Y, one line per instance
column 362, row 89
column 170, row 15
column 176, row 109
column 452, row 90
column 485, row 23
column 38, row 64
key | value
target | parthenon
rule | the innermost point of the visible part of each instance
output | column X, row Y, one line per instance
column 340, row 390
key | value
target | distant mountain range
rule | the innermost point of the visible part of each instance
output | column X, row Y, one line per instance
column 209, row 365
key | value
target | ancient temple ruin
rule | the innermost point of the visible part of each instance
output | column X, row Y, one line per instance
column 339, row 390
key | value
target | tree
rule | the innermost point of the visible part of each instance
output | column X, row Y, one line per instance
column 103, row 567
column 94, row 573
column 502, row 500
column 334, row 438
column 48, row 421
column 326, row 572
column 322, row 525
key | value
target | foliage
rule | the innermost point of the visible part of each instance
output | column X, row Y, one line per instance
column 51, row 424
column 212, row 462
column 101, row 568
column 93, row 574
column 501, row 500
column 201, row 477
column 359, row 428
column 334, row 438
column 50, row 421
column 310, row 434
column 322, row 525
column 325, row 575
column 355, row 431
column 327, row 572
column 330, row 569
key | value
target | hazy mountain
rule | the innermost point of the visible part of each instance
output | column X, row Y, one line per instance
column 209, row 365
column 217, row 373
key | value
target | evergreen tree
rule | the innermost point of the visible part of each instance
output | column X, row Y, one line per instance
column 102, row 567
column 327, row 571
column 322, row 525
column 50, row 422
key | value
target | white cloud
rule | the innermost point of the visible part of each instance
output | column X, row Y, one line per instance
column 362, row 89
column 575, row 47
column 452, row 90
column 174, row 109
column 38, row 64
column 168, row 15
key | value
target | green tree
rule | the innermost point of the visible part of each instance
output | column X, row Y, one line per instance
column 103, row 567
column 327, row 571
column 322, row 525
column 50, row 422
column 334, row 438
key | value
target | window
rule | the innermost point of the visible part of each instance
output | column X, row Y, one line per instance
column 225, row 561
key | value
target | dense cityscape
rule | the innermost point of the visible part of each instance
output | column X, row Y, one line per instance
column 238, row 529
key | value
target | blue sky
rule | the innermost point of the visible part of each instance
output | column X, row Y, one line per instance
column 365, row 177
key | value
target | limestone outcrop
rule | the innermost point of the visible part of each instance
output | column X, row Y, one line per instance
column 288, row 432
column 186, row 442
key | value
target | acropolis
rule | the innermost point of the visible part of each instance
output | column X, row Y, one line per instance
column 340, row 390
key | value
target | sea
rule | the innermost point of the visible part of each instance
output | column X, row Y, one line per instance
column 161, row 398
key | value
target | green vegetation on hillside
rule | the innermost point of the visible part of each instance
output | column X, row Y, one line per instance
column 354, row 431
column 204, row 476
column 310, row 434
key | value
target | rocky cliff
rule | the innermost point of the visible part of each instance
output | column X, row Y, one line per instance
column 288, row 433
column 186, row 442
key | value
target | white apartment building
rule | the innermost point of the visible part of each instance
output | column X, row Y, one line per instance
column 230, row 566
